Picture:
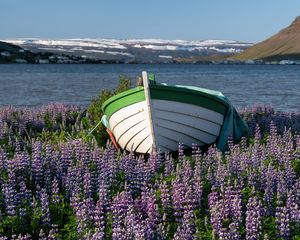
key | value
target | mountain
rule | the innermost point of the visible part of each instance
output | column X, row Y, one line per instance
column 136, row 50
column 8, row 47
column 283, row 45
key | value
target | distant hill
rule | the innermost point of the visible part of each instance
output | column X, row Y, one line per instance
column 137, row 50
column 4, row 46
column 283, row 45
column 11, row 53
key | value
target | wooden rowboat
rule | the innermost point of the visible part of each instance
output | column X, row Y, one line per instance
column 156, row 117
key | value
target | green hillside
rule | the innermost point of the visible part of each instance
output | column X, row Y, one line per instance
column 283, row 45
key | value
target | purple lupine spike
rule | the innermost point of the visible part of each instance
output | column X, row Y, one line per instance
column 139, row 178
column 47, row 179
column 24, row 193
column 197, row 182
column 55, row 198
column 169, row 165
column 87, row 185
column 213, row 197
column 81, row 217
column 234, row 233
column 111, row 167
column 165, row 196
column 282, row 216
column 187, row 172
column 227, row 196
column 154, row 162
column 65, row 157
column 211, row 175
column 89, row 208
column 180, row 152
column 139, row 229
column 53, row 232
column 272, row 142
column 81, row 210
column 187, row 229
column 3, row 159
column 221, row 174
column 194, row 149
column 270, row 186
column 143, row 200
column 27, row 237
column 253, row 219
column 281, row 187
column 24, row 163
column 288, row 142
column 297, row 191
column 257, row 135
column 99, row 219
column 178, row 192
column 42, row 235
column 37, row 193
column 152, row 219
column 128, row 164
column 162, row 228
column 48, row 156
column 119, row 211
column 9, row 199
column 130, row 222
column 36, row 166
column 98, row 235
column 290, row 175
column 225, row 207
column 190, row 199
column 293, row 207
column 236, row 210
column 224, row 234
column 45, row 207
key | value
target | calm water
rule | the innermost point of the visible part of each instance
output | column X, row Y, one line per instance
column 31, row 85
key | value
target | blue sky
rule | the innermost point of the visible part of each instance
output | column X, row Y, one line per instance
column 245, row 20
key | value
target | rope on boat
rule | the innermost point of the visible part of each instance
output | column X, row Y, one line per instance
column 94, row 128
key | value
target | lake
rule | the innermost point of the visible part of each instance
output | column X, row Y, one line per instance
column 244, row 85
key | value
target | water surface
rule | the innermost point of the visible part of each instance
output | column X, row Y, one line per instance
column 32, row 85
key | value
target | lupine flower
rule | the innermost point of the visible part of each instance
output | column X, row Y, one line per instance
column 253, row 219
column 283, row 222
column 55, row 198
column 122, row 196
column 45, row 207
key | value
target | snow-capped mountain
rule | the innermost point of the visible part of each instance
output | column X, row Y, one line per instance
column 136, row 50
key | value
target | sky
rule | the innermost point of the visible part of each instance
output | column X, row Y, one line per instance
column 243, row 20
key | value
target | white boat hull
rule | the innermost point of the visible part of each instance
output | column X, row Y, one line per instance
column 163, row 125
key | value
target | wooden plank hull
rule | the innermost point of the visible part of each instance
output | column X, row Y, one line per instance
column 172, row 122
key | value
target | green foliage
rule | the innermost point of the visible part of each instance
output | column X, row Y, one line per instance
column 95, row 112
column 48, row 123
column 64, row 217
column 296, row 166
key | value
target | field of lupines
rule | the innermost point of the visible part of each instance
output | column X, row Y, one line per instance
column 56, row 182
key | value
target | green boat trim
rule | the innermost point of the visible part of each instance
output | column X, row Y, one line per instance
column 189, row 96
column 123, row 99
column 209, row 99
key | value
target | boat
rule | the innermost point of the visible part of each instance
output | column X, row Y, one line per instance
column 157, row 117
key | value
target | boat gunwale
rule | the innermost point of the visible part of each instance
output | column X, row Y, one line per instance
column 170, row 90
column 138, row 91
